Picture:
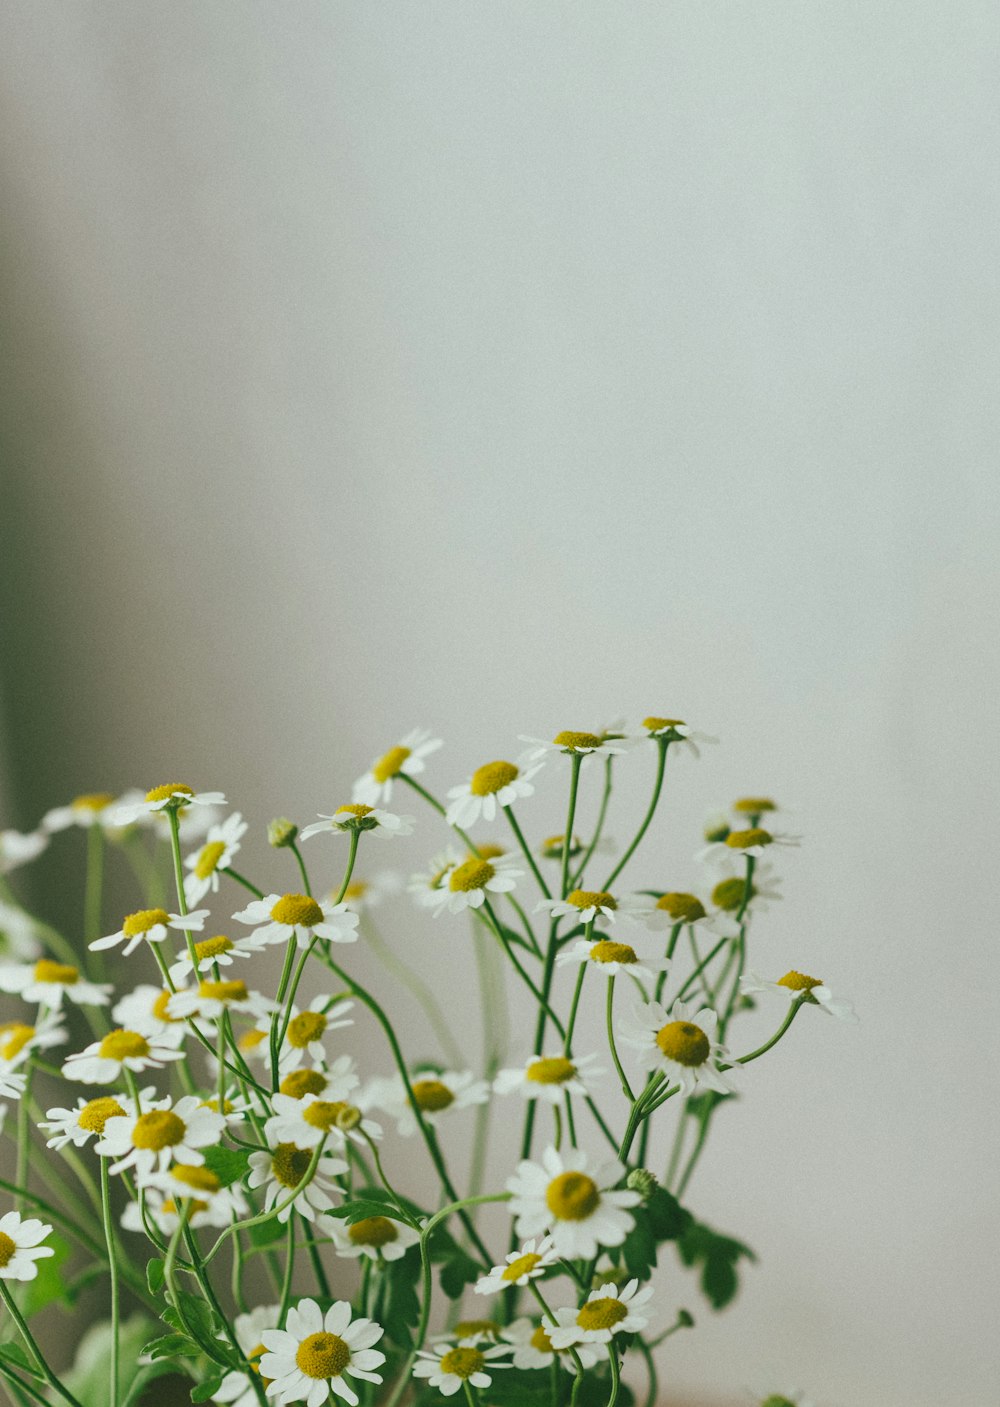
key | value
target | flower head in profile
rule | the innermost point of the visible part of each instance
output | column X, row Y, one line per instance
column 531, row 1261
column 149, row 926
column 607, row 1311
column 681, row 1043
column 407, row 759
column 610, row 958
column 449, row 1369
column 278, row 917
column 47, row 983
column 378, row 1238
column 162, row 1134
column 93, row 808
column 216, row 951
column 214, row 996
column 103, row 1062
column 19, row 1039
column 171, row 796
column 182, row 1181
column 591, row 906
column 308, row 1119
column 609, row 741
column 677, row 732
column 751, row 843
column 21, row 1246
column 216, row 855
column 468, row 885
column 316, row 1353
column 728, row 893
column 426, row 884
column 492, row 786
column 679, row 906
column 550, row 1077
column 793, row 985
column 574, row 1199
column 358, row 818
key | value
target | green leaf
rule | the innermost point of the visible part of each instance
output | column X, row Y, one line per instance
column 668, row 1219
column 717, row 1257
column 172, row 1346
column 15, row 1354
column 228, row 1164
column 639, row 1246
column 49, row 1284
column 154, row 1275
column 266, row 1233
column 87, row 1379
column 361, row 1209
column 205, row 1391
column 458, row 1271
column 402, row 1303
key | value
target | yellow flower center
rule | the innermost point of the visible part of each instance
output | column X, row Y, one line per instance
column 554, row 1070
column 296, row 909
column 326, row 1113
column 357, row 889
column 524, row 1265
column 302, row 1082
column 541, row 1341
column 601, row 1314
column 92, row 801
column 390, row 764
column 227, row 1105
column 160, row 1006
column 591, row 899
column 96, row 1113
column 235, row 991
column 473, row 874
column 322, row 1356
column 606, row 951
column 143, row 920
column 552, row 846
column 432, row 1095
column 572, row 1196
column 158, row 1129
column 373, row 1231
column 253, row 1358
column 8, row 1249
column 491, row 777
column 488, row 851
column 60, row 973
column 170, row 1206
column 15, row 1037
column 684, row 1042
column 213, row 947
column 572, row 741
column 657, row 725
column 177, row 789
column 250, row 1040
column 354, row 811
column 728, row 894
column 209, row 857
column 682, row 908
column 290, row 1164
column 799, row 982
column 743, row 840
column 123, row 1045
column 463, row 1362
column 306, row 1027
column 755, row 805
column 476, row 1328
column 200, row 1179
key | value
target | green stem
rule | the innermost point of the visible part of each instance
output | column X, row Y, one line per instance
column 509, row 812
column 661, row 762
column 24, row 1133
column 33, row 1348
column 574, row 780
column 599, row 826
column 242, row 879
column 302, row 864
column 615, row 1373
column 109, row 1235
column 651, row 1395
column 626, row 1087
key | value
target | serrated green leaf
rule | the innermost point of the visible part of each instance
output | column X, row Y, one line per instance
column 154, row 1275
column 668, row 1219
column 228, row 1164
column 172, row 1346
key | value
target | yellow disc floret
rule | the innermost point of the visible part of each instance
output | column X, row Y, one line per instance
column 234, row 991
column 322, row 1356
column 213, row 947
column 541, row 1341
column 684, row 1042
column 658, row 725
column 61, row 974
column 160, row 1007
column 591, row 899
column 178, row 790
column 123, row 1045
column 728, row 894
column 755, row 805
column 14, row 1036
column 390, row 764
column 463, row 1362
column 744, row 840
column 492, row 777
column 553, row 1070
column 575, row 742
column 96, row 1113
column 326, row 1114
column 209, row 857
column 305, row 1028
column 290, row 1164
column 375, row 1231
column 682, row 908
column 251, row 1039
column 143, row 920
column 489, row 850
column 297, row 910
column 473, row 874
column 524, row 1265
column 476, row 1329
column 432, row 1096
column 606, row 951
column 92, row 801
column 158, row 1129
column 8, row 1249
column 572, row 1196
column 355, row 816
column 604, row 1313
column 200, row 1179
column 298, row 1083
column 799, row 982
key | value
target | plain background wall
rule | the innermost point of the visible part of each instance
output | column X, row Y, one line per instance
column 503, row 367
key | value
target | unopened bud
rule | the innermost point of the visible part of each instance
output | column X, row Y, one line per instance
column 348, row 1118
column 281, row 832
column 717, row 827
column 641, row 1180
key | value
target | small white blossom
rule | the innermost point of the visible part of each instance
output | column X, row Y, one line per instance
column 532, row 1260
column 378, row 1238
column 221, row 846
column 307, row 1360
column 149, row 926
column 20, row 848
column 282, row 1169
column 358, row 817
column 469, row 885
column 681, row 1042
column 607, row 1312
column 491, row 787
column 278, row 917
column 406, row 759
column 20, row 1246
column 102, row 1062
column 793, row 985
column 47, row 982
column 163, row 1133
column 550, row 1077
column 574, row 1199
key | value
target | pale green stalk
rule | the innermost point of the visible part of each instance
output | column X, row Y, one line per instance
column 109, row 1234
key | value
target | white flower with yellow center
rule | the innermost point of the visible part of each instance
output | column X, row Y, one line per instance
column 20, row 1246
column 607, row 1311
column 312, row 1357
column 450, row 1369
column 221, row 846
column 492, row 786
column 18, row 933
column 103, row 1062
column 591, row 906
column 611, row 958
column 550, row 1077
column 678, row 906
column 678, row 733
column 149, row 926
column 164, row 1211
column 20, row 848
column 425, row 886
column 47, row 982
column 533, row 1348
column 728, row 893
column 282, row 1169
column 310, row 1118
column 237, row 1388
column 217, row 951
column 574, row 1199
column 378, row 1238
column 470, row 1333
column 610, row 741
column 359, row 818
column 794, row 985
column 212, row 997
column 437, row 1094
column 307, row 1031
column 18, row 1039
column 278, row 917
column 406, row 759
column 751, row 843
column 171, row 795
column 162, row 1134
column 87, row 1120
column 193, row 1180
column 93, row 808
column 532, row 1260
column 144, row 1009
column 681, row 1043
column 468, row 885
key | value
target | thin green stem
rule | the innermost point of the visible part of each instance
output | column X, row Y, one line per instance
column 626, row 1087
column 661, row 762
column 242, row 879
column 599, row 825
column 33, row 1348
column 109, row 1236
column 302, row 864
column 615, row 1373
column 576, row 759
column 509, row 812
column 24, row 1132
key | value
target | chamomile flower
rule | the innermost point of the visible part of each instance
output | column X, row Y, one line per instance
column 747, row 844
column 307, row 1031
column 308, row 1120
column 103, row 1062
column 194, row 1180
column 607, row 1311
column 470, row 1333
column 449, row 1369
column 492, row 786
column 309, row 1079
column 312, row 1357
column 436, row 1094
column 426, row 885
column 358, row 817
column 144, row 1009
column 18, row 1039
column 219, row 950
column 680, row 1042
column 87, row 1120
column 378, row 1238
column 676, row 731
column 149, row 926
column 211, row 998
column 610, row 958
column 281, row 1170
column 468, row 885
column 20, row 848
column 677, row 906
column 406, row 759
column 18, row 933
column 574, row 1199
column 236, row 1388
column 173, row 795
column 534, row 1349
column 20, row 1246
column 215, row 856
column 754, row 807
column 532, row 1260
column 276, row 918
column 765, row 890
column 591, row 906
column 163, row 1133
column 90, row 809
column 608, row 742
column 164, row 1211
column 794, row 985
column 550, row 1077
column 47, row 982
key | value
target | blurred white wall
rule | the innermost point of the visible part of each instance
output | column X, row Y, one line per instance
column 501, row 367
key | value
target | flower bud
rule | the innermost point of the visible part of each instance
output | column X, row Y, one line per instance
column 717, row 827
column 348, row 1118
column 281, row 832
column 641, row 1180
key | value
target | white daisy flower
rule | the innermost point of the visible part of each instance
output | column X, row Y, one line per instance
column 305, row 1079
column 470, row 1333
column 236, row 1388
column 307, row 1121
column 18, row 933
column 307, row 1360
column 219, row 950
column 425, row 886
column 592, row 906
column 163, row 1133
column 307, row 1031
column 211, row 998
column 358, row 817
column 144, row 1009
column 165, row 1211
column 281, row 1170
column 550, row 1077
column 186, row 1180
column 765, row 890
column 18, row 1039
column 362, row 894
column 436, row 1094
column 570, row 1196
column 681, row 1043
column 379, row 1238
column 215, row 856
column 469, row 884
column 20, row 848
column 102, row 1062
column 20, row 1246
column 47, row 982
column 532, row 1260
column 87, row 1120
column 609, row 741
column 172, row 794
column 492, row 786
column 676, row 731
column 746, row 844
column 607, row 1311
column 534, row 1349
column 611, row 958
column 449, row 1369
column 406, row 759
column 86, row 811
column 793, row 984
column 278, row 917
column 149, row 926
column 677, row 906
